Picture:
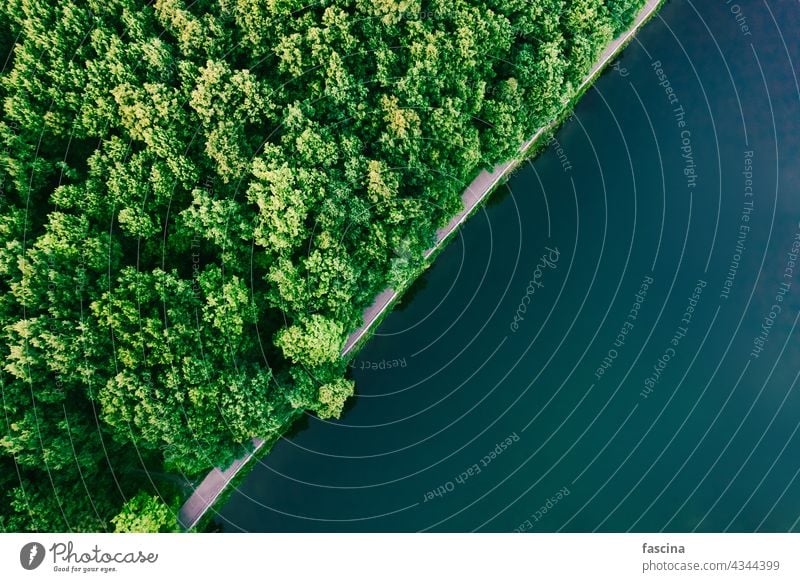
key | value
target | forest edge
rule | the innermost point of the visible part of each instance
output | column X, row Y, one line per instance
column 217, row 482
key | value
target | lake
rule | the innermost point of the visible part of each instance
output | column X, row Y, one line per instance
column 610, row 344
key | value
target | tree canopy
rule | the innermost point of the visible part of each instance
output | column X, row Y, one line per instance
column 200, row 198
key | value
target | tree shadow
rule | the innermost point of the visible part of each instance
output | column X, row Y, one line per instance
column 499, row 195
column 418, row 285
column 298, row 426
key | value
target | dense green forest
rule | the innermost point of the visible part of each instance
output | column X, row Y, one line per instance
column 200, row 198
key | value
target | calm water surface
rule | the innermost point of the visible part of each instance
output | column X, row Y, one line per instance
column 612, row 343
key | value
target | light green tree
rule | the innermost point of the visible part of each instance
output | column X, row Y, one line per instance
column 144, row 514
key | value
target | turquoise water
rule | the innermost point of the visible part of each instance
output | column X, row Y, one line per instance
column 611, row 343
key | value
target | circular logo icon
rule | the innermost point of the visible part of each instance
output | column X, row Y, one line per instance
column 31, row 555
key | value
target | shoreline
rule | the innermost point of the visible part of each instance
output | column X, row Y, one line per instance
column 216, row 482
column 482, row 186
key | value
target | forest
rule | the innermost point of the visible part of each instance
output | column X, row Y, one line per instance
column 199, row 199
